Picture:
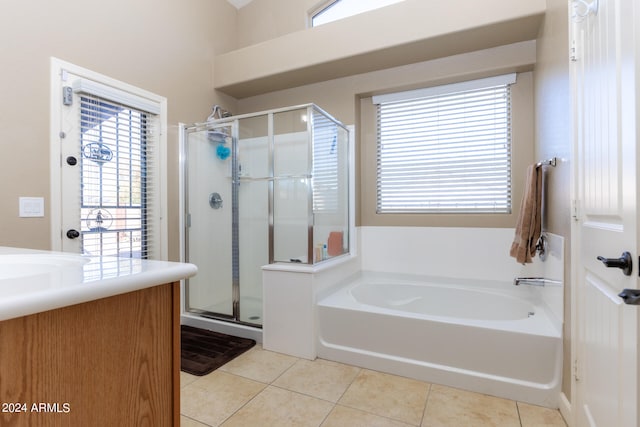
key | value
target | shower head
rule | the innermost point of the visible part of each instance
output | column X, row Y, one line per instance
column 218, row 113
column 217, row 136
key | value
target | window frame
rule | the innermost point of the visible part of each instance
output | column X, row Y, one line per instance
column 329, row 4
column 116, row 91
column 523, row 154
column 448, row 106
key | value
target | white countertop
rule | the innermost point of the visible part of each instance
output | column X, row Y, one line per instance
column 34, row 281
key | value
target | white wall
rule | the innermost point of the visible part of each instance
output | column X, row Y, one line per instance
column 167, row 48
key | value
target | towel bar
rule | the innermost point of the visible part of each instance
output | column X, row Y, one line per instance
column 550, row 162
column 541, row 247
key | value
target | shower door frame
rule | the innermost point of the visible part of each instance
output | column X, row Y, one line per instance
column 185, row 131
column 233, row 123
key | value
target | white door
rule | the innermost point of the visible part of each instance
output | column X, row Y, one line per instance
column 604, row 79
column 104, row 176
column 109, row 149
column 70, row 164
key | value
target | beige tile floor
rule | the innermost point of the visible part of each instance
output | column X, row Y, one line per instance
column 263, row 388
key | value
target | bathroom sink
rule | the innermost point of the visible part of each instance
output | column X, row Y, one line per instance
column 22, row 265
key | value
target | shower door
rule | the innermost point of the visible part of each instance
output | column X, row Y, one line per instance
column 226, row 224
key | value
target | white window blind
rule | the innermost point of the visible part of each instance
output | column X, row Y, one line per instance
column 117, row 96
column 447, row 152
column 117, row 190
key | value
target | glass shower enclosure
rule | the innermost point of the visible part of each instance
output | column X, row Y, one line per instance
column 257, row 189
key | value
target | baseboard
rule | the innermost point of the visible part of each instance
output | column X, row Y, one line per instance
column 566, row 409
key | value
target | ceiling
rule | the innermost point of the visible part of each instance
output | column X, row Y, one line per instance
column 239, row 3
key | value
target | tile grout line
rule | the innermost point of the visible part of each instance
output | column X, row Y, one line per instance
column 327, row 416
column 518, row 411
column 267, row 385
column 285, row 371
column 351, row 383
column 245, row 403
column 395, row 420
column 196, row 420
column 426, row 402
column 333, row 404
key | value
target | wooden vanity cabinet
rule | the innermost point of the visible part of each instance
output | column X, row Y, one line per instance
column 110, row 362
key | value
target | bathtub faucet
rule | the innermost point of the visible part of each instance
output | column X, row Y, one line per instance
column 534, row 281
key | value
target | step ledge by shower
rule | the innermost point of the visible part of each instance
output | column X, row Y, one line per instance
column 404, row 33
column 309, row 269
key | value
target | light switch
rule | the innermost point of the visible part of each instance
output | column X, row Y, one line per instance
column 31, row 207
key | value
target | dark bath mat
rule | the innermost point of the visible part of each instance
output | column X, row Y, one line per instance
column 203, row 351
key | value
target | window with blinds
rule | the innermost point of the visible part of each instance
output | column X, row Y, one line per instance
column 446, row 149
column 116, row 190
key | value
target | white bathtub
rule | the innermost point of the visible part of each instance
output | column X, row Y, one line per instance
column 492, row 338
